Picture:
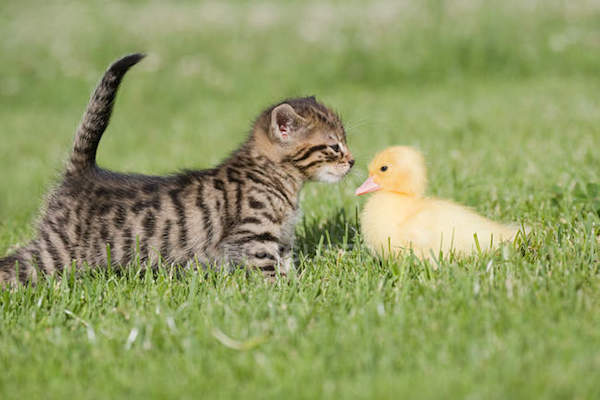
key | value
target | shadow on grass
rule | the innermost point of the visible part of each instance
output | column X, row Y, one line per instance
column 340, row 230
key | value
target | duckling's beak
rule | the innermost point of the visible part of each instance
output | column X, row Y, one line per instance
column 368, row 186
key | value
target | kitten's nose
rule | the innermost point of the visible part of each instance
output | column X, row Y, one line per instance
column 351, row 162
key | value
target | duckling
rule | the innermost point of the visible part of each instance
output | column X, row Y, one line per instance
column 399, row 216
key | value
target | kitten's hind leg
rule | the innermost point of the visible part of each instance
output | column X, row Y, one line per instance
column 16, row 269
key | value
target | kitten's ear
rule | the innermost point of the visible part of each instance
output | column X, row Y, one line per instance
column 285, row 122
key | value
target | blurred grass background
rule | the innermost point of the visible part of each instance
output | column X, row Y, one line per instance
column 503, row 98
column 486, row 90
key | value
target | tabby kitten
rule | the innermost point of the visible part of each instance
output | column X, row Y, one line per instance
column 241, row 212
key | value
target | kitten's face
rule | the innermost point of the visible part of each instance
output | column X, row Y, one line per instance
column 312, row 138
column 325, row 157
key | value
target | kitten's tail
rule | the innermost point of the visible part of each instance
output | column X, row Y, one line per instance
column 96, row 117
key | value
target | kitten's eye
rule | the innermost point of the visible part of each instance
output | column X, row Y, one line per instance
column 335, row 147
column 261, row 255
column 384, row 168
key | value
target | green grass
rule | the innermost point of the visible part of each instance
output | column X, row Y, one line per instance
column 504, row 101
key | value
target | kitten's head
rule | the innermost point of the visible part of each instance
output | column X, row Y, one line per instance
column 309, row 136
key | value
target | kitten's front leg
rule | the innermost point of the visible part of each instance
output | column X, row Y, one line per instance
column 255, row 254
column 286, row 264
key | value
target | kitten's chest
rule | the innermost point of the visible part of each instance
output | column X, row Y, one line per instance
column 285, row 216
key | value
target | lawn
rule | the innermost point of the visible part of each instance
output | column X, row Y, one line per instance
column 504, row 100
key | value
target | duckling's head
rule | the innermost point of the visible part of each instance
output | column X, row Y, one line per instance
column 398, row 169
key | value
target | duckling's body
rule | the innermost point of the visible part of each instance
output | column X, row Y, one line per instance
column 398, row 217
column 392, row 221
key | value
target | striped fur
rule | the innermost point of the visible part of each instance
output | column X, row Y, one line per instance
column 242, row 213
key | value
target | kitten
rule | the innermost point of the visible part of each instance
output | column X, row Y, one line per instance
column 242, row 212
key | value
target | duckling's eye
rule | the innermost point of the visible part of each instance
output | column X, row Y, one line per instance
column 384, row 168
column 261, row 255
column 335, row 147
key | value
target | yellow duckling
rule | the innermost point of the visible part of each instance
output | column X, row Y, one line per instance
column 399, row 217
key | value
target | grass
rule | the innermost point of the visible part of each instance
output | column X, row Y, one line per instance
column 502, row 99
